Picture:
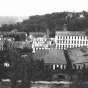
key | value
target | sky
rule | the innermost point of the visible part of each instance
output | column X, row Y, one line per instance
column 40, row 7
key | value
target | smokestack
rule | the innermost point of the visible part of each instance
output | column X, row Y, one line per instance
column 48, row 34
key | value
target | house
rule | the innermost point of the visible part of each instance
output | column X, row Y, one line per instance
column 42, row 42
column 52, row 58
column 78, row 57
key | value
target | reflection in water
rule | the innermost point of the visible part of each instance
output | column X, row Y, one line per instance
column 49, row 86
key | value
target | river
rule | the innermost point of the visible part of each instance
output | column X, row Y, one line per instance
column 49, row 86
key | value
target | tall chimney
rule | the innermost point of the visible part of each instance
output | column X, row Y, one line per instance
column 48, row 35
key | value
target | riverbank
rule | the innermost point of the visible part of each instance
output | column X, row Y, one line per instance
column 38, row 84
column 50, row 84
column 53, row 82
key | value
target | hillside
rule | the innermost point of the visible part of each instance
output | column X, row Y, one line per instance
column 75, row 21
column 11, row 19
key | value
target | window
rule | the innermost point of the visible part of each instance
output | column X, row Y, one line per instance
column 81, row 37
column 66, row 46
column 60, row 37
column 77, row 42
column 74, row 45
column 80, row 42
column 60, row 41
column 78, row 37
column 66, row 37
column 83, row 42
column 74, row 42
column 69, row 41
column 72, row 37
column 84, row 37
column 69, row 37
column 75, row 37
column 52, row 42
column 63, row 41
column 71, row 46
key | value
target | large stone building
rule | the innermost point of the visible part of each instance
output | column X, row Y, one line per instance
column 70, row 39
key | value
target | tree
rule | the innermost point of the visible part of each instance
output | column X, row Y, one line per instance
column 69, row 64
column 21, row 68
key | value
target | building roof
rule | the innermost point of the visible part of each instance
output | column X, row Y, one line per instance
column 50, row 56
column 4, row 32
column 21, row 44
column 37, row 33
column 70, row 33
column 78, row 55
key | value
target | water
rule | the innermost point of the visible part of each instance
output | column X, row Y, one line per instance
column 49, row 86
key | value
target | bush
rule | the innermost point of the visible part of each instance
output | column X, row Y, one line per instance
column 79, row 84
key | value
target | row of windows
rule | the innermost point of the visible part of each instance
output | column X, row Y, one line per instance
column 67, row 46
column 73, row 37
column 71, row 42
column 40, row 39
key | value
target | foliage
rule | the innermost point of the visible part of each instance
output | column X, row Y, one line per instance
column 17, row 37
column 78, row 84
column 21, row 68
column 54, row 21
column 69, row 64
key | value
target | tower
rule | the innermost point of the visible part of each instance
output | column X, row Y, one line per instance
column 64, row 27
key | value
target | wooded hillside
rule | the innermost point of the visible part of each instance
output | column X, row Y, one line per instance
column 75, row 21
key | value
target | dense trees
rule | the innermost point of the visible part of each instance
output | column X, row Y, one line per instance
column 17, row 37
column 21, row 68
column 54, row 21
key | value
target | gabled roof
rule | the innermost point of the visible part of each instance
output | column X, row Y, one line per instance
column 78, row 55
column 51, row 56
column 71, row 33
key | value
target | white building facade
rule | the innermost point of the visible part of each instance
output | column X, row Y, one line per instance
column 42, row 43
column 70, row 39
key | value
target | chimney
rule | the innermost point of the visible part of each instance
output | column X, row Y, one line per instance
column 48, row 35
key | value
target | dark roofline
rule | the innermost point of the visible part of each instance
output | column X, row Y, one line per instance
column 2, row 32
column 54, row 64
column 77, row 48
column 71, row 33
column 36, row 33
column 80, row 63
